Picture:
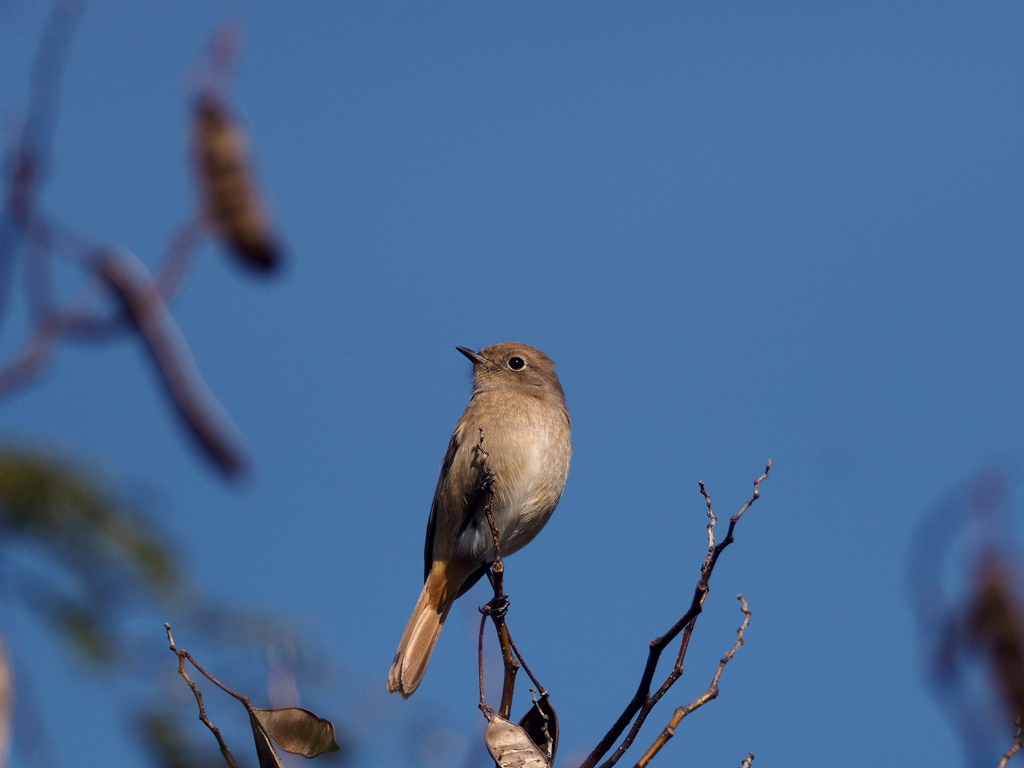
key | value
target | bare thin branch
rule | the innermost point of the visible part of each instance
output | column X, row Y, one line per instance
column 27, row 159
column 182, row 655
column 480, row 665
column 711, row 520
column 47, row 70
column 642, row 702
column 1016, row 745
column 171, row 274
column 33, row 358
column 704, row 698
column 541, row 690
column 498, row 606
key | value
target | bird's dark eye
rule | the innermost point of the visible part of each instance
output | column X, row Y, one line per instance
column 516, row 363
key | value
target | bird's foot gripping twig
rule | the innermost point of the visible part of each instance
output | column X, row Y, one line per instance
column 497, row 607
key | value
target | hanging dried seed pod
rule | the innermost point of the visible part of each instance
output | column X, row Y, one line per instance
column 995, row 625
column 232, row 203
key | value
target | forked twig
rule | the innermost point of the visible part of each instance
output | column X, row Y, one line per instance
column 182, row 656
column 704, row 698
column 640, row 706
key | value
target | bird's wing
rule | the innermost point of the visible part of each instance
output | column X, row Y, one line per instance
column 428, row 546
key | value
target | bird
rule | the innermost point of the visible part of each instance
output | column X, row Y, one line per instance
column 512, row 445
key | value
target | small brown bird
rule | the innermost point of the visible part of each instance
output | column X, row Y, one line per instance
column 516, row 420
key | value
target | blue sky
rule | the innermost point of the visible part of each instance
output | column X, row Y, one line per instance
column 741, row 231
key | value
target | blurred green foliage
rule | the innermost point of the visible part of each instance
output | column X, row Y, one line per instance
column 73, row 515
column 99, row 551
column 80, row 558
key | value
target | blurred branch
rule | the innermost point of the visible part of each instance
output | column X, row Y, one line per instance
column 231, row 207
column 46, row 73
column 34, row 358
column 171, row 275
column 643, row 700
column 28, row 158
column 748, row 760
column 704, row 698
column 195, row 403
column 1015, row 748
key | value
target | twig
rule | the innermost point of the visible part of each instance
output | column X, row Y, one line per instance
column 47, row 70
column 642, row 702
column 182, row 656
column 39, row 291
column 1016, row 745
column 487, row 485
column 27, row 158
column 33, row 359
column 711, row 519
column 171, row 274
column 541, row 690
column 498, row 607
column 704, row 698
column 480, row 665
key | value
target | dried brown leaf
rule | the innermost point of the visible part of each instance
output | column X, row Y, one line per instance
column 511, row 747
column 298, row 730
column 265, row 751
column 541, row 725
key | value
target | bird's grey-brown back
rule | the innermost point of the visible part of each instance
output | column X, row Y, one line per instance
column 518, row 408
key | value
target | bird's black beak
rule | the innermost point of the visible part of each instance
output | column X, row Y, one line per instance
column 473, row 356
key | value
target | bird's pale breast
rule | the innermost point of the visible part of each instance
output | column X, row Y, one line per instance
column 528, row 448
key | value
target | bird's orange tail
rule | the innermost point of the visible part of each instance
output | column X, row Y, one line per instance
column 424, row 627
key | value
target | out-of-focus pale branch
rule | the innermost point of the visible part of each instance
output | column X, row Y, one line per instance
column 230, row 208
column 208, row 422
